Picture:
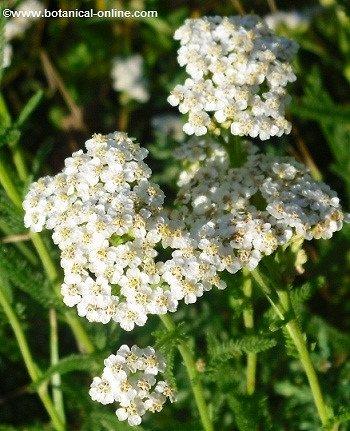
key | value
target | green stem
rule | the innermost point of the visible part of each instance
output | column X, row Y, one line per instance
column 7, row 183
column 19, row 162
column 32, row 368
column 44, row 255
column 82, row 338
column 267, row 291
column 295, row 333
column 193, row 376
column 123, row 120
column 248, row 319
column 54, row 354
column 23, row 248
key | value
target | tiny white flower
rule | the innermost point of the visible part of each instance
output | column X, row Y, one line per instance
column 101, row 391
column 132, row 412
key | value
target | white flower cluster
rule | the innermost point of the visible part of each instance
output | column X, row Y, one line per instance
column 129, row 378
column 16, row 26
column 235, row 216
column 107, row 220
column 238, row 73
column 102, row 209
column 127, row 75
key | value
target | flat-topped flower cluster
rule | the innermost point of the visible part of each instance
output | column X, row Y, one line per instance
column 103, row 211
column 129, row 378
column 235, row 216
column 238, row 73
column 107, row 220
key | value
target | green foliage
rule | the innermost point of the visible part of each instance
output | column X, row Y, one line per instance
column 289, row 344
column 39, row 427
column 167, row 342
column 28, row 109
column 247, row 344
column 26, row 277
column 11, row 218
column 300, row 295
column 250, row 413
column 333, row 119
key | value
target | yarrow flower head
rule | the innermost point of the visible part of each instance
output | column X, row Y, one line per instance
column 238, row 73
column 103, row 211
column 129, row 378
column 127, row 75
column 108, row 221
column 235, row 216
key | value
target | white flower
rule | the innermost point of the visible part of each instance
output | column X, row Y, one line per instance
column 197, row 123
column 132, row 412
column 152, row 363
column 144, row 384
column 101, row 391
column 127, row 75
column 129, row 379
column 165, row 389
column 132, row 356
column 155, row 402
column 71, row 294
column 230, row 61
column 162, row 302
column 129, row 315
column 16, row 26
column 115, row 368
column 125, row 391
column 187, row 290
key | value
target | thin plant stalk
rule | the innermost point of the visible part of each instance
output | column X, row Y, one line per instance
column 192, row 372
column 23, row 248
column 123, row 120
column 272, row 5
column 31, row 366
column 296, row 335
column 54, row 356
column 19, row 162
column 282, row 310
column 248, row 319
column 7, row 183
column 238, row 6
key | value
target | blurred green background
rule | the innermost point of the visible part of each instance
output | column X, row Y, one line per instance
column 59, row 85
